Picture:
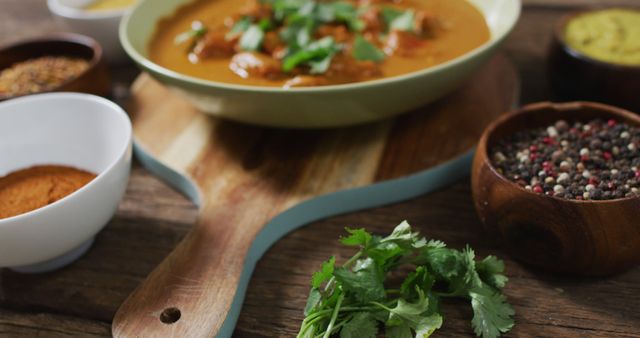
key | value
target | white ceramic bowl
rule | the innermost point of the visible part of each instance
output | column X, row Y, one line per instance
column 102, row 26
column 77, row 130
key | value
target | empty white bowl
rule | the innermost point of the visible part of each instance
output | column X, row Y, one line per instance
column 76, row 130
column 100, row 25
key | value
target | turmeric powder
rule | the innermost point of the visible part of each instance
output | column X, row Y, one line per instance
column 33, row 188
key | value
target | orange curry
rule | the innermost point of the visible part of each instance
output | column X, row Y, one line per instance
column 302, row 43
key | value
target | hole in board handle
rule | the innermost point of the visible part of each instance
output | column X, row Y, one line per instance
column 170, row 315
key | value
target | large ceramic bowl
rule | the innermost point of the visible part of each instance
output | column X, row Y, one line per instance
column 315, row 107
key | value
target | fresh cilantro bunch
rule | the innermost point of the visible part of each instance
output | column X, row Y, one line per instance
column 353, row 300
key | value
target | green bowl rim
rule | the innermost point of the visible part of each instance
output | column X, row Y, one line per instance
column 155, row 68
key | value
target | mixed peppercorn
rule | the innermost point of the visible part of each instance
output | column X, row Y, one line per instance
column 598, row 160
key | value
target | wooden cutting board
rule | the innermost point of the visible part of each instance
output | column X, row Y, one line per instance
column 253, row 185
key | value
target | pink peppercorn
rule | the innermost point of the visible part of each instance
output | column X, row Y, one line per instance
column 607, row 155
column 538, row 189
column 611, row 123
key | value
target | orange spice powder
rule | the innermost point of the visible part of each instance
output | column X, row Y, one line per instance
column 33, row 188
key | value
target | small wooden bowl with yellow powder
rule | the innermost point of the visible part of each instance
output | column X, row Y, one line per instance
column 595, row 56
column 64, row 166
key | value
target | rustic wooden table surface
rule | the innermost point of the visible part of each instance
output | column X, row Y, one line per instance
column 82, row 299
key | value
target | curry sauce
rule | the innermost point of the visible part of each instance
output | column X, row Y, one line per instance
column 453, row 28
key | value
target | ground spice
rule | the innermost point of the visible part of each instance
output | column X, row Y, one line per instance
column 33, row 188
column 40, row 74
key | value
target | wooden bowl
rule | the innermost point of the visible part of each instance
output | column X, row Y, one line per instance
column 569, row 236
column 576, row 76
column 95, row 80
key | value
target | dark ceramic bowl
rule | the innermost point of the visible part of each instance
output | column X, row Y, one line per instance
column 576, row 76
column 95, row 80
column 568, row 236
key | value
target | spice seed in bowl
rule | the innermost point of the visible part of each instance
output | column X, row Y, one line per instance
column 40, row 74
column 598, row 160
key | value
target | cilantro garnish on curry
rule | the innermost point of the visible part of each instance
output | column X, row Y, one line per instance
column 298, row 43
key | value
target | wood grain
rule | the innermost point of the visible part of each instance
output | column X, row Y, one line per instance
column 152, row 219
column 593, row 238
column 239, row 168
column 17, row 325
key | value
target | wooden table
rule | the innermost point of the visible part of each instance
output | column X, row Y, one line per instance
column 82, row 299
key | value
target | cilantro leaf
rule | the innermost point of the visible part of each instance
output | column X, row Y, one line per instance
column 197, row 30
column 396, row 19
column 362, row 325
column 312, row 302
column 404, row 22
column 444, row 262
column 283, row 8
column 425, row 328
column 320, row 66
column 435, row 244
column 491, row 271
column 297, row 34
column 389, row 14
column 364, row 50
column 355, row 300
column 347, row 13
column 405, row 238
column 325, row 273
column 398, row 331
column 409, row 313
column 365, row 284
column 492, row 315
column 428, row 325
column 238, row 28
column 357, row 237
column 419, row 279
column 325, row 12
column 265, row 24
column 252, row 39
column 314, row 52
column 385, row 254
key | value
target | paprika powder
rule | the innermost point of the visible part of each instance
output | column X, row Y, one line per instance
column 33, row 188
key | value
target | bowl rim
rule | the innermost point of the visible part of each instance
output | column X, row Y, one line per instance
column 70, row 96
column 73, row 38
column 153, row 67
column 559, row 36
column 58, row 8
column 534, row 108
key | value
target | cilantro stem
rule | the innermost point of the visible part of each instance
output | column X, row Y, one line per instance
column 334, row 316
column 335, row 328
column 353, row 259
column 346, row 264
column 381, row 305
column 312, row 317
